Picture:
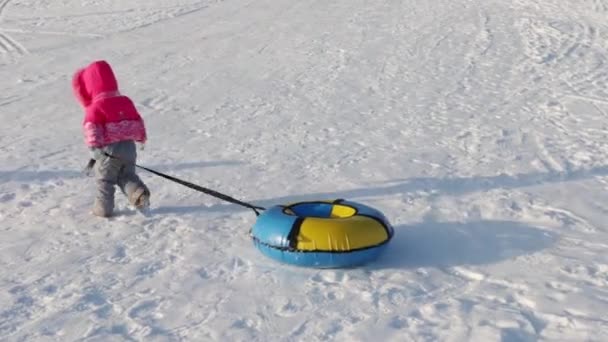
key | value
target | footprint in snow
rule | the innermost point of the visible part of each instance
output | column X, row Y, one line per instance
column 150, row 269
column 120, row 255
column 145, row 309
column 7, row 197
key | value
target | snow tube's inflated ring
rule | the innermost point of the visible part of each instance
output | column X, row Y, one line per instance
column 323, row 234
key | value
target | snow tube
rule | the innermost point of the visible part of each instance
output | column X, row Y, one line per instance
column 322, row 234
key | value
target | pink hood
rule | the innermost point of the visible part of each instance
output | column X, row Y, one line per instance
column 109, row 116
column 93, row 81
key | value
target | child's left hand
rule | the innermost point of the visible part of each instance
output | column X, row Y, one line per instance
column 87, row 170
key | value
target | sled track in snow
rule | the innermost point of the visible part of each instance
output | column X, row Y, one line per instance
column 3, row 4
column 560, row 44
column 10, row 46
column 599, row 5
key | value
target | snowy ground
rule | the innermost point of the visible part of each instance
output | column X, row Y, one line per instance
column 478, row 127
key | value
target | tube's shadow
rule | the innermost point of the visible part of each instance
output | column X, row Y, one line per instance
column 445, row 244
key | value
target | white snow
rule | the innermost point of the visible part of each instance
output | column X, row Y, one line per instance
column 478, row 127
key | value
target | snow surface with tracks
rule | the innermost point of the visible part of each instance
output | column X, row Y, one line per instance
column 478, row 127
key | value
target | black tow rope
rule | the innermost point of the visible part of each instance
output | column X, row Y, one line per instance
column 199, row 188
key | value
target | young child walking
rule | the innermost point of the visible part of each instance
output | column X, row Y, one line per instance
column 111, row 127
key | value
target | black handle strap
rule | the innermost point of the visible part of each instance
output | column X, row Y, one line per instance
column 210, row 192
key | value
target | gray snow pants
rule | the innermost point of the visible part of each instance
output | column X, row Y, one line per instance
column 112, row 171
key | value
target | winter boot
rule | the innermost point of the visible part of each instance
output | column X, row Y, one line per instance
column 140, row 199
column 101, row 210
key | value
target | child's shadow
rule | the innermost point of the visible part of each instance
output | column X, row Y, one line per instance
column 26, row 175
column 445, row 244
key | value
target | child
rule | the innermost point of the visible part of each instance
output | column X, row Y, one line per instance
column 111, row 126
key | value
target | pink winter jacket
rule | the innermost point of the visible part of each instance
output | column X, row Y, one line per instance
column 109, row 116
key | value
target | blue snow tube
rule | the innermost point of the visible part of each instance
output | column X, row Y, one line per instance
column 322, row 234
